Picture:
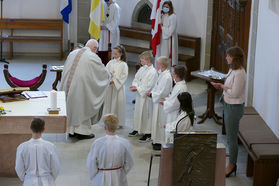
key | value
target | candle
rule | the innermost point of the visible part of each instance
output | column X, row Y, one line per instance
column 53, row 99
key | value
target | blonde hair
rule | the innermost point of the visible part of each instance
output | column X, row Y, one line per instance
column 163, row 60
column 111, row 122
column 146, row 56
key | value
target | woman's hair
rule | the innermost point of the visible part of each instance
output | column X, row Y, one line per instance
column 185, row 100
column 37, row 125
column 180, row 71
column 122, row 51
column 238, row 57
column 146, row 56
column 170, row 5
column 111, row 122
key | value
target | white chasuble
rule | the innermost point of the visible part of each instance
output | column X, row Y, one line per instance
column 111, row 33
column 169, row 40
column 145, row 80
column 86, row 93
column 109, row 161
column 115, row 100
column 171, row 105
column 161, row 89
column 37, row 163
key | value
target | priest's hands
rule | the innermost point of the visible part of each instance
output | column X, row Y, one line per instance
column 111, row 82
column 148, row 94
column 162, row 101
column 133, row 88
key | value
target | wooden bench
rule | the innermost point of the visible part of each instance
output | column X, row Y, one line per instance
column 191, row 59
column 263, row 150
column 32, row 24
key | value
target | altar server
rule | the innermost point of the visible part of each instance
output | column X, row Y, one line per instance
column 185, row 119
column 169, row 40
column 143, row 82
column 37, row 162
column 110, row 29
column 84, row 80
column 171, row 104
column 110, row 158
column 115, row 100
column 161, row 89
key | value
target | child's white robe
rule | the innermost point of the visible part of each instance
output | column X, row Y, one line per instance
column 37, row 163
column 110, row 152
column 115, row 100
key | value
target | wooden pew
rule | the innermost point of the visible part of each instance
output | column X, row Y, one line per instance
column 192, row 61
column 32, row 24
column 263, row 150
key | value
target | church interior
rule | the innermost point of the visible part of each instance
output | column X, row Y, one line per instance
column 206, row 29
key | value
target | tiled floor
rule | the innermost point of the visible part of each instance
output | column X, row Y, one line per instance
column 73, row 153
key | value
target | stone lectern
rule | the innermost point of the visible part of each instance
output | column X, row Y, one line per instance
column 194, row 158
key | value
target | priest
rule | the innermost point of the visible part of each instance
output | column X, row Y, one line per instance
column 84, row 80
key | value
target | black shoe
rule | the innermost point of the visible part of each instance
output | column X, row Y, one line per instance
column 145, row 138
column 134, row 133
column 72, row 135
column 134, row 101
column 156, row 146
column 82, row 137
column 232, row 171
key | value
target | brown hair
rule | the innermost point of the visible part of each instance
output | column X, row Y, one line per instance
column 180, row 71
column 37, row 125
column 170, row 5
column 111, row 122
column 146, row 56
column 122, row 51
column 237, row 55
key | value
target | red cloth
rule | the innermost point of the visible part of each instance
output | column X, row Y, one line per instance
column 28, row 83
column 156, row 26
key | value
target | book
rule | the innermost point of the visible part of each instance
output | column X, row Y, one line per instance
column 16, row 90
column 34, row 94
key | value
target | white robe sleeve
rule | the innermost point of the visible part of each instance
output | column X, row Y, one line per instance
column 129, row 160
column 114, row 22
column 147, row 83
column 137, row 77
column 20, row 169
column 54, row 163
column 168, row 31
column 120, row 78
column 92, row 163
column 165, row 87
column 171, row 104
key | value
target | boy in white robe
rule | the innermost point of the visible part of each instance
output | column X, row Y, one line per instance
column 110, row 158
column 115, row 100
column 144, row 81
column 161, row 89
column 37, row 162
column 185, row 118
column 169, row 40
column 110, row 29
column 171, row 104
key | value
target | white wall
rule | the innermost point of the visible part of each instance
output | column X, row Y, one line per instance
column 191, row 14
column 37, row 9
column 266, row 78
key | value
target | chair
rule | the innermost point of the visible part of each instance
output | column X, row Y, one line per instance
column 33, row 84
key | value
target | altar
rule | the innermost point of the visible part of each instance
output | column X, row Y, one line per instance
column 15, row 126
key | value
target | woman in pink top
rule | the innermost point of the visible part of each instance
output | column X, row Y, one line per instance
column 233, row 100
